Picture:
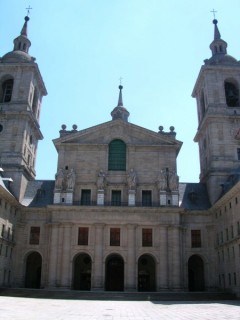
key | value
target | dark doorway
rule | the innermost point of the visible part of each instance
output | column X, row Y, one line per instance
column 33, row 270
column 114, row 273
column 82, row 270
column 146, row 273
column 196, row 274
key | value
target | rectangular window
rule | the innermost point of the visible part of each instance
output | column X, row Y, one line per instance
column 86, row 197
column 34, row 235
column 116, row 198
column 232, row 232
column 147, row 237
column 229, row 279
column 238, row 228
column 196, row 238
column 8, row 234
column 114, row 236
column 146, row 198
column 235, row 278
column 238, row 153
column 226, row 234
column 3, row 231
column 1, row 246
column 83, row 236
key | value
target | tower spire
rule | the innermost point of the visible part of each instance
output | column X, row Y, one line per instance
column 218, row 46
column 120, row 100
column 22, row 43
column 119, row 112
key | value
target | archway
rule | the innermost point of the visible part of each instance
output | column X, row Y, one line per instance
column 114, row 273
column 82, row 270
column 33, row 270
column 146, row 273
column 196, row 274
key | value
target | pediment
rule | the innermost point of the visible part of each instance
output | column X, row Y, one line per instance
column 104, row 133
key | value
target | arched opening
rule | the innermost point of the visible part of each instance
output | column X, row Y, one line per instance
column 117, row 155
column 196, row 274
column 202, row 104
column 82, row 271
column 232, row 94
column 146, row 273
column 33, row 270
column 114, row 273
column 7, row 88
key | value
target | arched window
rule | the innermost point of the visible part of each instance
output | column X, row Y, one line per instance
column 7, row 88
column 232, row 94
column 117, row 155
column 202, row 103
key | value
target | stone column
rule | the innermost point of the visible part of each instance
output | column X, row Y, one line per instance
column 176, row 263
column 131, row 258
column 66, row 256
column 52, row 270
column 163, row 258
column 97, row 276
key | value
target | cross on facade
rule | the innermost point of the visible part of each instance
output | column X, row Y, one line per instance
column 28, row 10
column 213, row 12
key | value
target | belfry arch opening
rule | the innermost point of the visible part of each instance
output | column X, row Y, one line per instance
column 196, row 280
column 82, row 272
column 231, row 93
column 6, row 90
column 114, row 273
column 33, row 270
column 146, row 273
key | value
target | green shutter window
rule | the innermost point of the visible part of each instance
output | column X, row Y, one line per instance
column 117, row 155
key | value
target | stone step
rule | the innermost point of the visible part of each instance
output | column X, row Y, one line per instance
column 118, row 296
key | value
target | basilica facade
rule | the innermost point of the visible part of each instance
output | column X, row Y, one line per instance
column 116, row 217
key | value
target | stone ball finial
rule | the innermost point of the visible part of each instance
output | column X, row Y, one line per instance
column 160, row 128
column 64, row 127
column 74, row 127
column 172, row 128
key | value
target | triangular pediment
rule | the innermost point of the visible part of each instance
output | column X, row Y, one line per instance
column 104, row 133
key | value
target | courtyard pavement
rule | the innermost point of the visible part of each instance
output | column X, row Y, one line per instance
column 46, row 309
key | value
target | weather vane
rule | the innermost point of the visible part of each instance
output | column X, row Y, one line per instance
column 213, row 12
column 28, row 10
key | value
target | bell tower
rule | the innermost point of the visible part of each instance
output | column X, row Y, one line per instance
column 21, row 92
column 218, row 135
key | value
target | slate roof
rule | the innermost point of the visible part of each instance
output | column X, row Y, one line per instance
column 39, row 193
column 193, row 196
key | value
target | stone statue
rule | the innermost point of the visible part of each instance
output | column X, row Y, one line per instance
column 162, row 181
column 59, row 179
column 173, row 181
column 71, row 177
column 131, row 179
column 101, row 180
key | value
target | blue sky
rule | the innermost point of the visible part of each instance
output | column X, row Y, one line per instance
column 83, row 47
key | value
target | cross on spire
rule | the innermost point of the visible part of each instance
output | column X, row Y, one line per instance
column 120, row 81
column 28, row 10
column 213, row 12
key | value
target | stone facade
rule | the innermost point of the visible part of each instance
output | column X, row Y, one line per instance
column 116, row 216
